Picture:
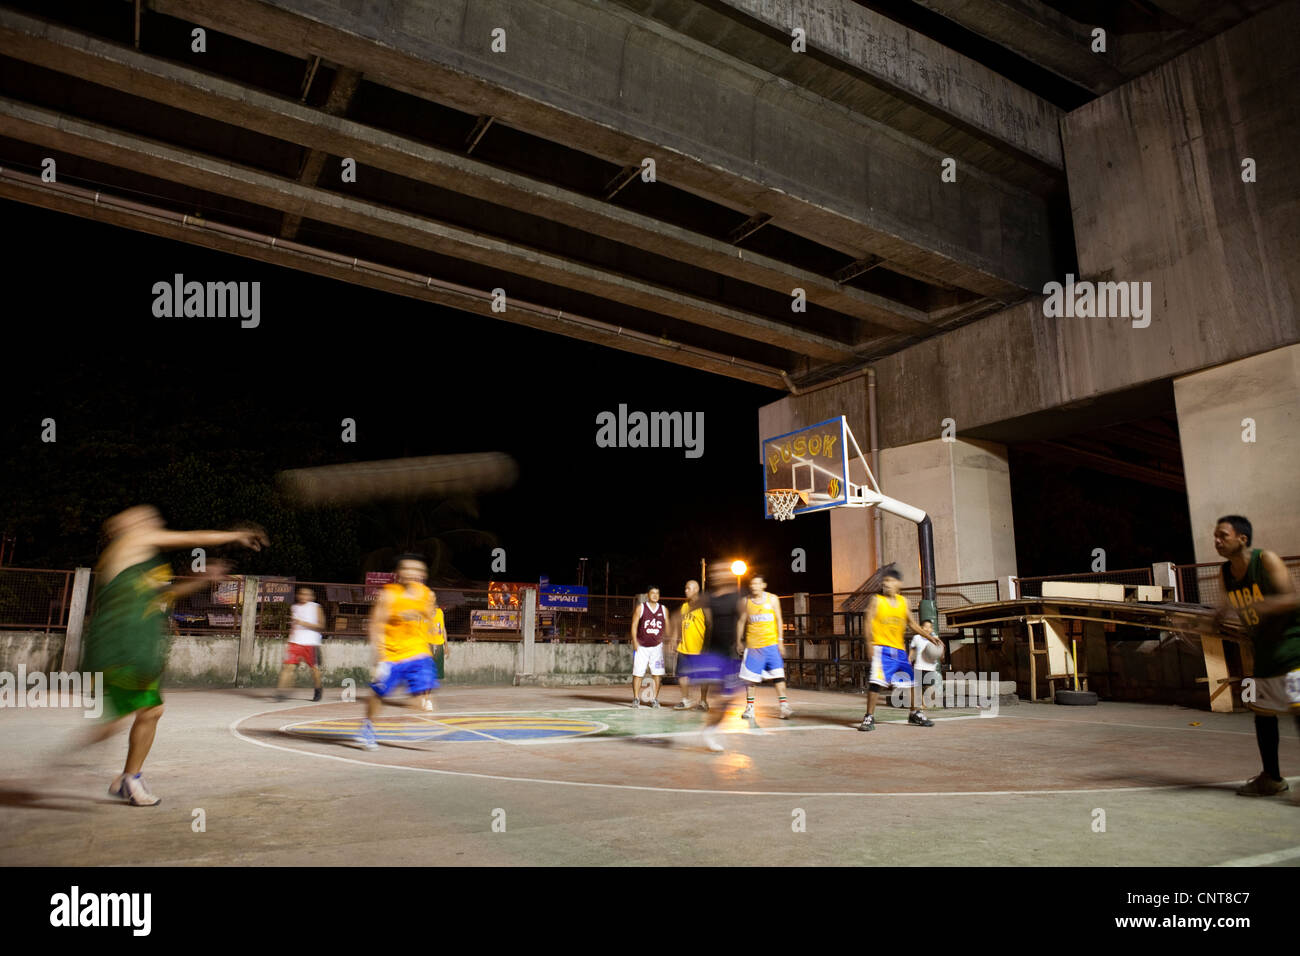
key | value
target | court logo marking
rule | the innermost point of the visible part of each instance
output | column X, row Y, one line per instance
column 501, row 728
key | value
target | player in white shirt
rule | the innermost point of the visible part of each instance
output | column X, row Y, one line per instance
column 927, row 671
column 304, row 640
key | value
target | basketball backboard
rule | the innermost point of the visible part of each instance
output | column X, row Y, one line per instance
column 815, row 460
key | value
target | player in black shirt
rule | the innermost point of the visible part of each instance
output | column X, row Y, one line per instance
column 718, row 663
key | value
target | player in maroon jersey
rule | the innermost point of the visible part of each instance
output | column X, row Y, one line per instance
column 649, row 625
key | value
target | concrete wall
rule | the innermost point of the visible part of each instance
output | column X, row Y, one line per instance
column 1226, row 475
column 34, row 650
column 210, row 661
column 1156, row 191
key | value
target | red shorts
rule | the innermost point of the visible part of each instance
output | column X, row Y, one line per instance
column 300, row 654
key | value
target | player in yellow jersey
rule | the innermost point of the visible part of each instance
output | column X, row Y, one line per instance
column 399, row 643
column 761, row 626
column 888, row 618
column 439, row 646
column 689, row 647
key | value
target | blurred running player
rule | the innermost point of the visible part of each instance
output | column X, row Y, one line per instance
column 399, row 643
column 762, row 627
column 126, row 641
column 717, row 665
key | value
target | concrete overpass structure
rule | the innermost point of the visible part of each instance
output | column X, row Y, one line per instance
column 799, row 149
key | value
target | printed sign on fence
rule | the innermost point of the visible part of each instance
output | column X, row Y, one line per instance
column 562, row 597
column 494, row 620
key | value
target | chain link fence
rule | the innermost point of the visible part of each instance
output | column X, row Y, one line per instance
column 40, row 600
column 32, row 599
column 1203, row 583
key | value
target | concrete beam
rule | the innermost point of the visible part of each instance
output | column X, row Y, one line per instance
column 1140, row 36
column 714, row 125
column 918, row 68
column 96, row 207
column 340, row 95
column 95, row 61
column 1038, row 33
column 113, row 147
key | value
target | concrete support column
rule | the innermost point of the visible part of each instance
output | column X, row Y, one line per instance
column 1239, row 425
column 247, row 633
column 965, row 488
column 528, row 631
column 1163, row 575
column 800, row 609
column 76, row 620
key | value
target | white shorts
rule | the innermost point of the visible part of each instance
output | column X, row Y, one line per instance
column 1277, row 695
column 652, row 657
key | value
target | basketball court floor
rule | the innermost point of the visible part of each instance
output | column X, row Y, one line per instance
column 560, row 776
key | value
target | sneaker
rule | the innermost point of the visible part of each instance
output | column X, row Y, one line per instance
column 115, row 788
column 702, row 705
column 712, row 742
column 919, row 719
column 748, row 713
column 682, row 705
column 137, row 794
column 654, row 704
column 317, row 695
column 1262, row 786
column 868, row 723
column 426, row 704
column 636, row 703
column 367, row 736
column 786, row 712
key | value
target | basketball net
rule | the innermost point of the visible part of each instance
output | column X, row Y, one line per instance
column 783, row 501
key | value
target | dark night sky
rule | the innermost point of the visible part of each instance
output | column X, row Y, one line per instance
column 198, row 415
column 418, row 379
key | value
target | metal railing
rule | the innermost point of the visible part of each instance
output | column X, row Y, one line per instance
column 33, row 599
column 957, row 595
column 1033, row 587
column 826, row 611
column 1203, row 583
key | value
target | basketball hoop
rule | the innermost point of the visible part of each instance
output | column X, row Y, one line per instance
column 783, row 501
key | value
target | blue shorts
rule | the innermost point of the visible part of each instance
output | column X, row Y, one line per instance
column 763, row 663
column 415, row 672
column 686, row 664
column 891, row 668
column 715, row 669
